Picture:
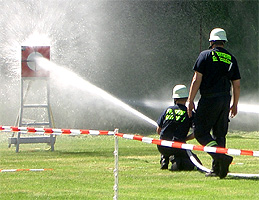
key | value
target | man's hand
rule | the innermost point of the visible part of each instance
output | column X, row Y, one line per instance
column 236, row 93
column 190, row 108
column 233, row 111
column 158, row 130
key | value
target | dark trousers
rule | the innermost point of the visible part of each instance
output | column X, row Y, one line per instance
column 178, row 157
column 212, row 114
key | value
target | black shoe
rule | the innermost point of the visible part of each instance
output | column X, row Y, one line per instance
column 224, row 163
column 176, row 164
column 211, row 174
column 174, row 167
column 164, row 166
column 164, row 161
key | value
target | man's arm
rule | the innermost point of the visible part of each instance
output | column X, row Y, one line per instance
column 236, row 93
column 195, row 85
column 158, row 130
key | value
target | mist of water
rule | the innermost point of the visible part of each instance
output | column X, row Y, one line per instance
column 242, row 106
column 246, row 119
column 65, row 76
column 134, row 50
column 248, row 108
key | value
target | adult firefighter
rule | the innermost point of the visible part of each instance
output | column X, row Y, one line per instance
column 215, row 71
column 174, row 125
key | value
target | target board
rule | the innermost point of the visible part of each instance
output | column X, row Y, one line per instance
column 30, row 67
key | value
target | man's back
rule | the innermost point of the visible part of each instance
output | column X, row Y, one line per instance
column 175, row 123
column 218, row 68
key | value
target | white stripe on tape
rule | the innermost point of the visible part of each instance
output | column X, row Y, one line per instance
column 92, row 132
column 210, row 149
column 75, row 132
column 187, row 146
column 8, row 170
column 39, row 129
column 23, row 128
column 255, row 153
column 166, row 143
column 111, row 133
column 7, row 128
column 147, row 140
column 234, row 151
column 36, row 169
column 128, row 136
column 57, row 130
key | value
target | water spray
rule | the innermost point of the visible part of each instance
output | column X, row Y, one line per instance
column 67, row 76
column 248, row 108
column 242, row 107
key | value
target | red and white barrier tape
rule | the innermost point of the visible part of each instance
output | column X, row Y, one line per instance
column 53, row 131
column 189, row 146
column 166, row 143
column 19, row 170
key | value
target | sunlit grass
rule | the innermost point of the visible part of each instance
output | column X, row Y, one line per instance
column 83, row 169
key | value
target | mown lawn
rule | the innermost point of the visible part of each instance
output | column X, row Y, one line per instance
column 83, row 169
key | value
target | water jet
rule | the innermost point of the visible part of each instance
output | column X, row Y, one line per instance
column 67, row 76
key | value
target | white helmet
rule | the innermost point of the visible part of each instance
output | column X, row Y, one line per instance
column 218, row 34
column 180, row 91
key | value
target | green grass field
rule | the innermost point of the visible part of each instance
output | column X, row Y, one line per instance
column 83, row 169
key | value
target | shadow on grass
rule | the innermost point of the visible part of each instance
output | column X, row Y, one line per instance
column 241, row 137
column 87, row 153
column 243, row 178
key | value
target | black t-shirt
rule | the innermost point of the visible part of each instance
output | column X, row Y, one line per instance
column 174, row 123
column 218, row 68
